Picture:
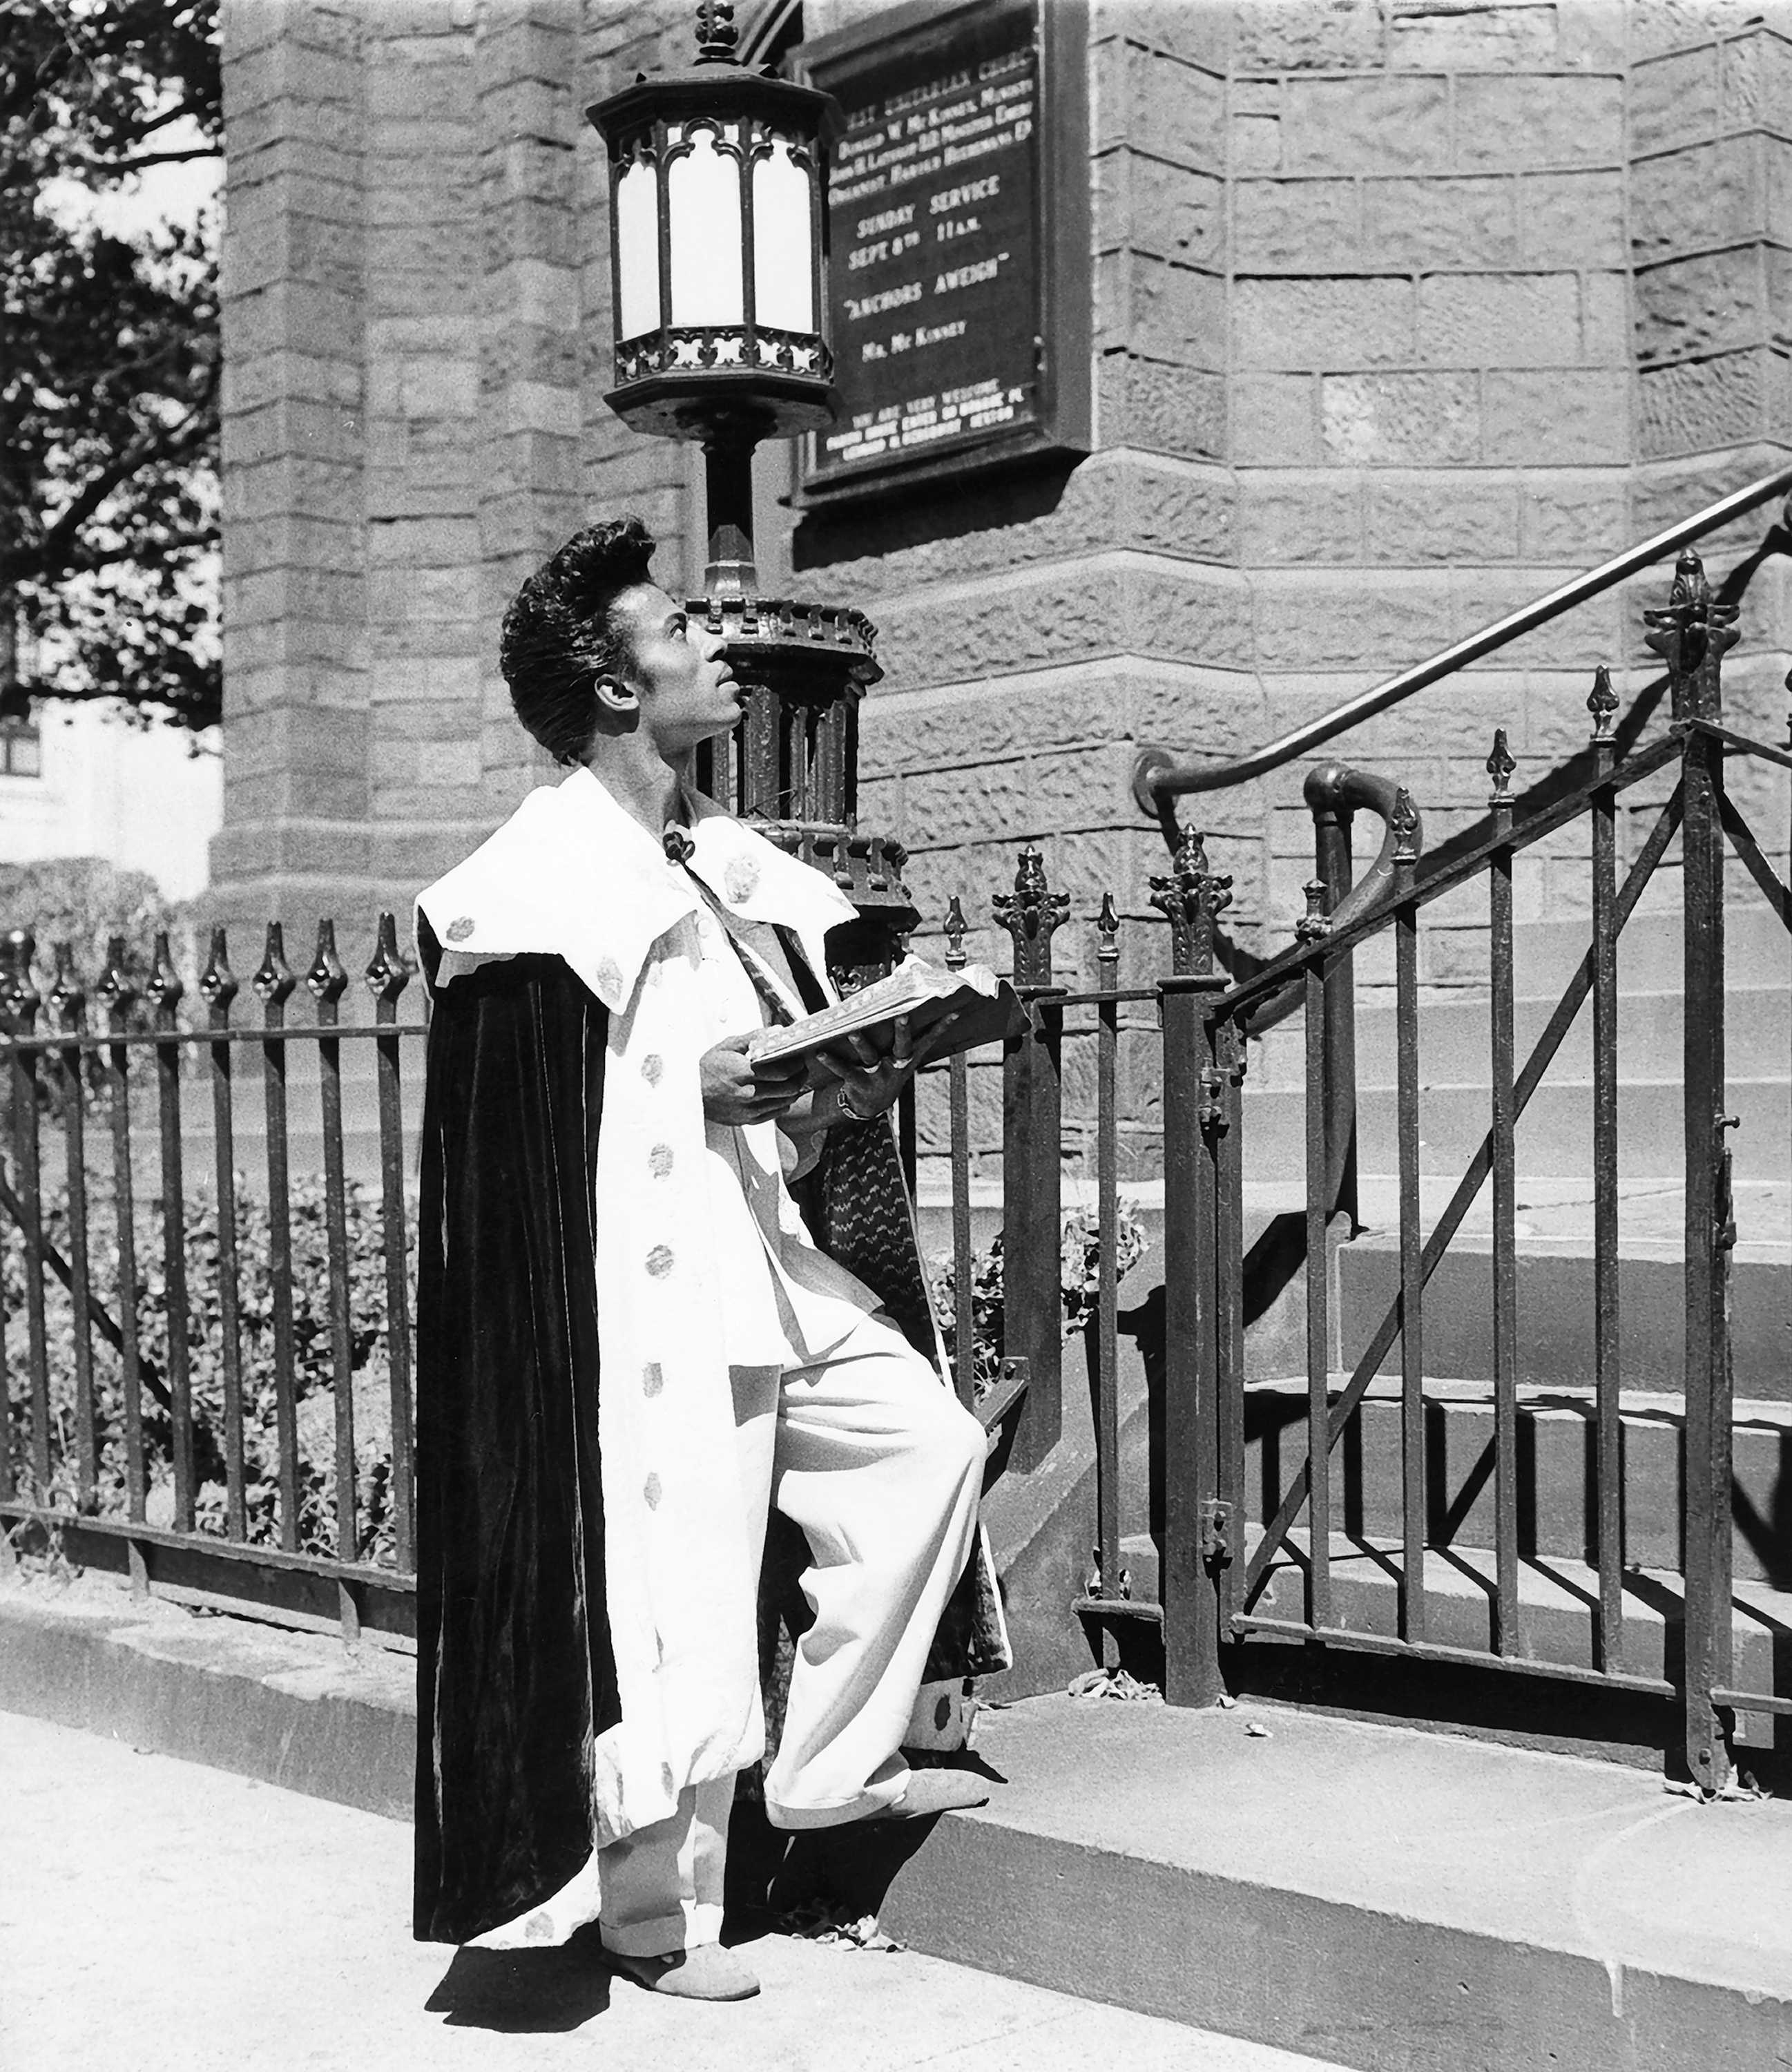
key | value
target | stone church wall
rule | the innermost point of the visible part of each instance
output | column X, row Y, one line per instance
column 1405, row 310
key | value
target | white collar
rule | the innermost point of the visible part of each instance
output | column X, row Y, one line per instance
column 571, row 874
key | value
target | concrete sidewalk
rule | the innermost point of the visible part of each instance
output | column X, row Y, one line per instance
column 156, row 1915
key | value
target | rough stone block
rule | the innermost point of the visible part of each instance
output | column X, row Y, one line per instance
column 1572, row 519
column 1714, row 301
column 1445, row 223
column 1163, row 209
column 1201, row 35
column 1708, row 193
column 1296, row 226
column 1274, row 421
column 1180, row 613
column 1353, row 322
column 994, row 722
column 1756, row 81
column 1499, row 320
column 1308, row 36
column 438, row 542
column 1256, row 143
column 1462, row 520
column 1368, row 125
column 1729, row 400
column 1391, row 419
column 1556, row 417
column 1157, row 104
column 1165, row 409
column 1089, row 789
column 976, row 805
column 1605, row 319
column 1308, row 620
column 1527, row 123
column 1572, row 218
column 1214, row 714
column 254, row 383
column 440, row 597
column 1674, row 98
column 1164, row 312
column 1499, row 37
column 1299, row 518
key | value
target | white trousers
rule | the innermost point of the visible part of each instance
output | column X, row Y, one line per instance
column 880, row 1466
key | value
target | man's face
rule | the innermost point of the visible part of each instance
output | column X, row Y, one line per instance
column 687, row 692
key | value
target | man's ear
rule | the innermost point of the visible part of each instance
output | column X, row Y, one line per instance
column 616, row 697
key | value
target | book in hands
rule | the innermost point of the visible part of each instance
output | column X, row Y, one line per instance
column 982, row 1008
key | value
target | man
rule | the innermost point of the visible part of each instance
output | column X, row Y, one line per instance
column 630, row 1346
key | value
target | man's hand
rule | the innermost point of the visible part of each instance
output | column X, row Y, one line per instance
column 735, row 1090
column 871, row 1080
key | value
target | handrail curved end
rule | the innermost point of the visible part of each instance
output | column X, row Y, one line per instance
column 1146, row 765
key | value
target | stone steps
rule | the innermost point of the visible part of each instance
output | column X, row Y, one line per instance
column 1558, row 1510
column 1556, row 1316
column 1559, row 1608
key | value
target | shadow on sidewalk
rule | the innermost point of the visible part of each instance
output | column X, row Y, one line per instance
column 520, row 1993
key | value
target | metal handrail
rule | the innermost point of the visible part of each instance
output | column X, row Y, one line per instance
column 1159, row 776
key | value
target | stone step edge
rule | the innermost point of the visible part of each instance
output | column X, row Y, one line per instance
column 297, row 1710
column 343, row 1732
column 1302, row 1972
column 1536, row 1398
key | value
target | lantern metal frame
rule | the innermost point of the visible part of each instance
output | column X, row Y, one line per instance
column 689, row 380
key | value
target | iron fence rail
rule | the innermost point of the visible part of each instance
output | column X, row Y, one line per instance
column 291, row 1509
column 143, row 1419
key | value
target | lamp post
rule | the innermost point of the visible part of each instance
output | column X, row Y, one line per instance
column 718, row 220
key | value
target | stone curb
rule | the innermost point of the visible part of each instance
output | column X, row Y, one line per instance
column 291, row 1709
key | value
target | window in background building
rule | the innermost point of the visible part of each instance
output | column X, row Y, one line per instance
column 21, row 749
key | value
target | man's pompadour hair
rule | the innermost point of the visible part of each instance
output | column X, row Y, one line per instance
column 559, row 636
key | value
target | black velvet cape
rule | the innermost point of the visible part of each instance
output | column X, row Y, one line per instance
column 515, row 1677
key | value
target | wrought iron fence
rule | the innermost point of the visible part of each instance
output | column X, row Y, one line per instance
column 1302, row 1561
column 252, row 1480
column 197, row 1358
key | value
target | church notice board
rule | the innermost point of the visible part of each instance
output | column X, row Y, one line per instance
column 958, row 300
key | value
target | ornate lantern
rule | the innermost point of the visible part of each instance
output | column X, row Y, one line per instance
column 716, row 182
column 718, row 226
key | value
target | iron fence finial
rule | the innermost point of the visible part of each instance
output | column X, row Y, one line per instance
column 955, row 925
column 1602, row 703
column 115, row 992
column 1191, row 898
column 218, row 982
column 164, row 990
column 326, row 980
column 67, row 998
column 387, row 975
column 1403, row 819
column 1312, row 925
column 1108, row 928
column 273, row 979
column 1500, row 766
column 1031, row 913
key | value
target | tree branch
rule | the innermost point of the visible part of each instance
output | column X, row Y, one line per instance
column 56, row 545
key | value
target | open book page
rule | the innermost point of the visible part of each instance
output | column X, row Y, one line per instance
column 985, row 1006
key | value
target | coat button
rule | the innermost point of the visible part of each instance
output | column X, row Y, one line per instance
column 659, row 1160
column 651, row 1066
column 653, row 1378
column 651, row 1492
column 659, row 1261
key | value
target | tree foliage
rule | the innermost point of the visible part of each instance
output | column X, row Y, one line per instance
column 109, row 353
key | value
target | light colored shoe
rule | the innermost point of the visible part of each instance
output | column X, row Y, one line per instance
column 705, row 1973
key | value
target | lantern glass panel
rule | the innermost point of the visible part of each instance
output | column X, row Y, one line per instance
column 783, row 278
column 638, row 249
column 703, row 194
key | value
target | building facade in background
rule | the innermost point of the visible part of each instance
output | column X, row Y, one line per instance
column 1402, row 311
